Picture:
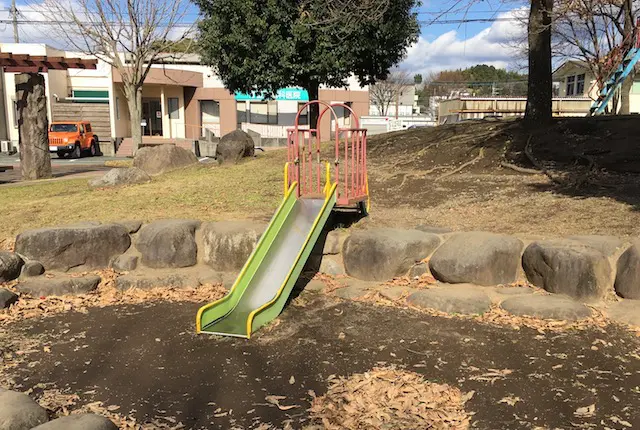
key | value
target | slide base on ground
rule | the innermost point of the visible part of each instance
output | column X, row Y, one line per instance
column 265, row 283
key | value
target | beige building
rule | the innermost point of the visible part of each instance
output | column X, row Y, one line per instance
column 182, row 100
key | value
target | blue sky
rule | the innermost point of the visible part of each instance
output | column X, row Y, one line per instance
column 441, row 46
column 450, row 46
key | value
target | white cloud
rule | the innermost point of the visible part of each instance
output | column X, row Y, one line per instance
column 495, row 45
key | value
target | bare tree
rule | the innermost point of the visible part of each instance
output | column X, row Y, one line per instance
column 386, row 92
column 598, row 33
column 540, row 85
column 129, row 35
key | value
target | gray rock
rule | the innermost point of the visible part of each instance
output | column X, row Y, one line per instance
column 355, row 290
column 79, row 422
column 168, row 243
column 334, row 242
column 32, row 268
column 120, row 176
column 395, row 292
column 125, row 263
column 433, row 229
column 627, row 282
column 331, row 266
column 477, row 258
column 625, row 312
column 7, row 298
column 163, row 158
column 92, row 247
column 607, row 245
column 383, row 254
column 10, row 266
column 145, row 281
column 452, row 299
column 419, row 270
column 547, row 307
column 315, row 285
column 132, row 226
column 228, row 244
column 19, row 412
column 514, row 291
column 42, row 286
column 567, row 267
column 228, row 279
column 234, row 146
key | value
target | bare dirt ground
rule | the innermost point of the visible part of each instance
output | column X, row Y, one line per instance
column 462, row 176
column 144, row 361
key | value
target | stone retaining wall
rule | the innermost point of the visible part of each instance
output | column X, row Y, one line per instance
column 586, row 268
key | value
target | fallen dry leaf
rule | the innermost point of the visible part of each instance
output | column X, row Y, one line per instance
column 586, row 411
column 387, row 397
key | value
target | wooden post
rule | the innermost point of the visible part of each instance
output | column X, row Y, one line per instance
column 33, row 126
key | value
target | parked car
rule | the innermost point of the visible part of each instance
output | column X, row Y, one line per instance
column 72, row 138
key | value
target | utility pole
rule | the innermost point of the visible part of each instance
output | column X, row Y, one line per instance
column 14, row 18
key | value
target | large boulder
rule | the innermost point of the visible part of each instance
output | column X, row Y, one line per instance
column 385, row 253
column 228, row 244
column 7, row 298
column 547, row 307
column 115, row 177
column 79, row 422
column 627, row 282
column 567, row 267
column 459, row 299
column 477, row 258
column 163, row 158
column 168, row 243
column 608, row 245
column 32, row 268
column 10, row 266
column 44, row 287
column 234, row 146
column 19, row 412
column 91, row 247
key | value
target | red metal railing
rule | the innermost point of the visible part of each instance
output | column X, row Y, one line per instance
column 306, row 166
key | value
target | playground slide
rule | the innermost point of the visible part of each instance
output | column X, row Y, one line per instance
column 267, row 278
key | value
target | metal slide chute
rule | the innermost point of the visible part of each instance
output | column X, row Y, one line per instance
column 268, row 277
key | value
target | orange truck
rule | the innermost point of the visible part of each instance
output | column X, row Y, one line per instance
column 72, row 138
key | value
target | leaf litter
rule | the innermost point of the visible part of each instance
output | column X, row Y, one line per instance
column 386, row 397
column 105, row 295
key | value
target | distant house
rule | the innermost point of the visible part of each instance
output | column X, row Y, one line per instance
column 575, row 79
column 406, row 103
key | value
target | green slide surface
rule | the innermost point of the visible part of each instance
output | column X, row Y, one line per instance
column 267, row 278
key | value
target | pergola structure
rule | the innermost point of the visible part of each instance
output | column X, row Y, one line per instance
column 33, row 128
column 24, row 63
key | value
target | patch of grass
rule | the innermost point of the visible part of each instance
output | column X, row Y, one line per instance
column 119, row 163
column 249, row 190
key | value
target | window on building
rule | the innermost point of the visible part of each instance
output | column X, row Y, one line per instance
column 93, row 96
column 241, row 111
column 580, row 84
column 346, row 114
column 15, row 114
column 264, row 112
column 571, row 85
column 117, row 107
column 304, row 115
column 174, row 108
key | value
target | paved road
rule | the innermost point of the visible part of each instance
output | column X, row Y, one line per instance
column 60, row 167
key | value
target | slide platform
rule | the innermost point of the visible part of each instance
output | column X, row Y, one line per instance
column 263, row 287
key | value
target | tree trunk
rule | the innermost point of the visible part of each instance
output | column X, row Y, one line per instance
column 313, row 88
column 33, row 126
column 629, row 29
column 540, row 87
column 134, row 101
